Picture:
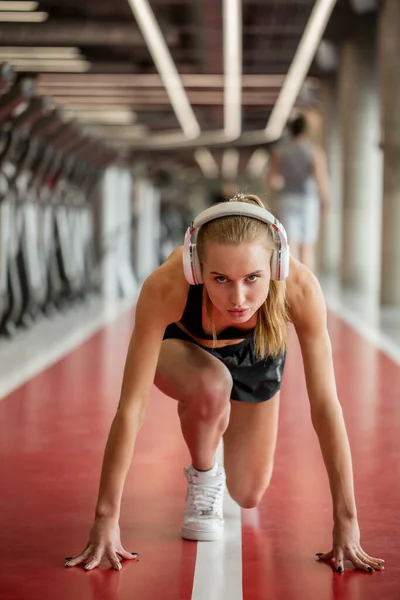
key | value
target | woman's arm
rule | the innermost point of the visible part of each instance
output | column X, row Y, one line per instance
column 308, row 314
column 309, row 319
column 322, row 179
column 274, row 177
column 159, row 304
column 140, row 367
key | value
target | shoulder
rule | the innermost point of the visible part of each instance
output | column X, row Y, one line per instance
column 164, row 292
column 306, row 304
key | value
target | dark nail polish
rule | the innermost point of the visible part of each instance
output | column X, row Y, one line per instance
column 370, row 569
column 340, row 569
column 319, row 554
column 68, row 558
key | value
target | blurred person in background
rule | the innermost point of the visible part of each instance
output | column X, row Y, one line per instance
column 224, row 192
column 298, row 173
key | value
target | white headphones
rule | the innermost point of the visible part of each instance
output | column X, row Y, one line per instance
column 280, row 256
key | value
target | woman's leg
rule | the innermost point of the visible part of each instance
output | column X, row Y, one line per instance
column 249, row 448
column 202, row 385
column 289, row 213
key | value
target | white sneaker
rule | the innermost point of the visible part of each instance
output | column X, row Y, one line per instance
column 203, row 519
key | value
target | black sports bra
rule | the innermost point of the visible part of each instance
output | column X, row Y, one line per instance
column 192, row 319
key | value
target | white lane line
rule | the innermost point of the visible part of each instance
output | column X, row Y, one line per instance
column 218, row 571
column 364, row 329
column 48, row 341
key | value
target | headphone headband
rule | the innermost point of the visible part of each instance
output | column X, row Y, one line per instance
column 245, row 209
column 280, row 256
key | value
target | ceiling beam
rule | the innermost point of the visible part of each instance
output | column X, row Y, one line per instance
column 282, row 4
column 301, row 63
column 207, row 163
column 77, row 33
column 233, row 73
column 147, row 100
column 294, row 28
column 90, row 80
column 160, row 53
column 151, row 93
column 298, row 70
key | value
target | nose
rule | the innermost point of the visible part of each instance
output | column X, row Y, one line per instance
column 237, row 296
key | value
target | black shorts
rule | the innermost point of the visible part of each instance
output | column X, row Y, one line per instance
column 254, row 379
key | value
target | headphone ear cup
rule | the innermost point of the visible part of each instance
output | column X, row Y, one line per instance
column 196, row 264
column 187, row 264
column 285, row 262
column 280, row 264
column 274, row 265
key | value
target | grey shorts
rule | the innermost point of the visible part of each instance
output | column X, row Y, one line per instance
column 300, row 216
column 254, row 379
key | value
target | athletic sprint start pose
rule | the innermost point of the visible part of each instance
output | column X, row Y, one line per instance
column 210, row 332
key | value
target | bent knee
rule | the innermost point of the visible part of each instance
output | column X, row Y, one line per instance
column 248, row 499
column 212, row 393
column 248, row 495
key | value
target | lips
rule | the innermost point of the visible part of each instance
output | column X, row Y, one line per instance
column 238, row 312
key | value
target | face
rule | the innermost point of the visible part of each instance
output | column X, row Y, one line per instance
column 237, row 278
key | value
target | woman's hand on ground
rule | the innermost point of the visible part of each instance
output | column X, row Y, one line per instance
column 346, row 546
column 104, row 542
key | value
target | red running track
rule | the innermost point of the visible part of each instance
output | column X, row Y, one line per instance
column 53, row 432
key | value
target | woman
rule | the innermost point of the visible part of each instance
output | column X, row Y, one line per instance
column 298, row 172
column 218, row 348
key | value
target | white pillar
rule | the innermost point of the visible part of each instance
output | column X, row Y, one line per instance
column 118, row 278
column 389, row 54
column 362, row 165
column 147, row 203
column 330, row 244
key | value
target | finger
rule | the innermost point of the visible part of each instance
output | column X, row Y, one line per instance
column 326, row 556
column 114, row 561
column 358, row 561
column 339, row 560
column 373, row 562
column 79, row 558
column 94, row 561
column 127, row 555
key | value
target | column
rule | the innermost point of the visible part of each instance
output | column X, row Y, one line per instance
column 389, row 63
column 361, row 162
column 118, row 278
column 330, row 243
column 147, row 206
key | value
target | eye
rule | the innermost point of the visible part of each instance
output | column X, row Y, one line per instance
column 253, row 278
column 220, row 279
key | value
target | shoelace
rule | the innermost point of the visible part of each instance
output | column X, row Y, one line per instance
column 205, row 496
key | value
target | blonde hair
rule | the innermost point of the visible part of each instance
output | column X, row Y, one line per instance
column 270, row 336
